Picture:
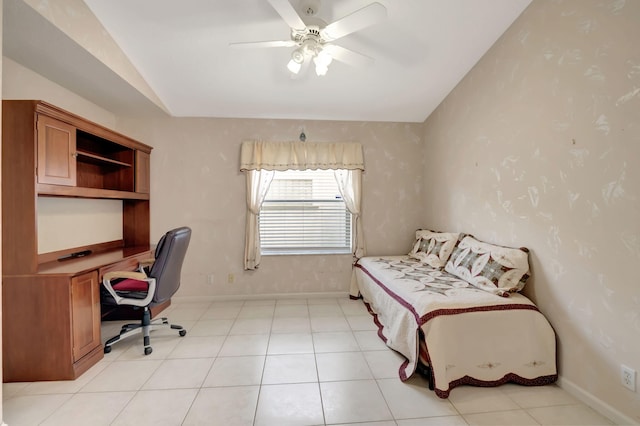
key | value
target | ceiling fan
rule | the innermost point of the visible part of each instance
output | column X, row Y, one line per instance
column 313, row 38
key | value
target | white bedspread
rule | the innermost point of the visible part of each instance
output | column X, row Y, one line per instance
column 471, row 336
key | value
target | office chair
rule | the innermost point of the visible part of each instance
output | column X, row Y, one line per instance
column 154, row 284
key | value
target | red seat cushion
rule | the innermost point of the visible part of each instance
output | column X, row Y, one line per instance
column 131, row 285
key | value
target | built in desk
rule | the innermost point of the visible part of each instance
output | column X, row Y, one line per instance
column 51, row 309
column 51, row 327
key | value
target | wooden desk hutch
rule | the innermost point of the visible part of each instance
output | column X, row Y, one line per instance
column 51, row 308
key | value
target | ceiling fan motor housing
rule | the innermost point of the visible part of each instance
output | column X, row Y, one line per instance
column 309, row 39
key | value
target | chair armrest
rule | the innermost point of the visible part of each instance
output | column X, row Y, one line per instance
column 151, row 291
column 146, row 262
column 124, row 274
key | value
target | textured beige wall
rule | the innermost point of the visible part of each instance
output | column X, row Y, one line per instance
column 539, row 146
column 196, row 182
column 74, row 222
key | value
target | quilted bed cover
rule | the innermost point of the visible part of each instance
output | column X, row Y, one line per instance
column 471, row 336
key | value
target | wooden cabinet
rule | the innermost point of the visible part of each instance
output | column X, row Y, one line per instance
column 51, row 319
column 74, row 153
column 56, row 152
column 85, row 314
column 143, row 172
column 44, row 333
column 51, row 308
column 42, row 145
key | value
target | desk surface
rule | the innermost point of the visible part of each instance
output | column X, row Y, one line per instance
column 91, row 262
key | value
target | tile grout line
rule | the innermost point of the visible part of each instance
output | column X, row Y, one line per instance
column 264, row 364
column 315, row 360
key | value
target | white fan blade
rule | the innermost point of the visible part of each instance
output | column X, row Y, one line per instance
column 275, row 43
column 347, row 56
column 288, row 13
column 362, row 18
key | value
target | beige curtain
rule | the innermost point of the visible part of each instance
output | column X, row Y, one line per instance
column 259, row 160
column 263, row 155
column 350, row 185
column 258, row 182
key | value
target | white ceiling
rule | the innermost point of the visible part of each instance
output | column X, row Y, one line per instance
column 421, row 51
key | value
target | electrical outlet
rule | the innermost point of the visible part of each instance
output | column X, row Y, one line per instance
column 210, row 279
column 231, row 278
column 628, row 377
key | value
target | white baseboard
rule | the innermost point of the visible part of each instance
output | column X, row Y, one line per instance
column 314, row 295
column 597, row 404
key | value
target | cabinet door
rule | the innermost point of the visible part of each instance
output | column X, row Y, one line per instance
column 56, row 152
column 85, row 313
column 143, row 172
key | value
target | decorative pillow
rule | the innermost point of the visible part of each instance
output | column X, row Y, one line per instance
column 433, row 248
column 496, row 269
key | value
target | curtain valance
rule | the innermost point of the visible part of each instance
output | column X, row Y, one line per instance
column 266, row 155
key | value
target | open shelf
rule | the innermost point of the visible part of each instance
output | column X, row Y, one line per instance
column 101, row 160
column 103, row 164
column 74, row 191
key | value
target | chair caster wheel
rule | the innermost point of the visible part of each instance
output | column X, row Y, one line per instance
column 148, row 350
column 107, row 349
column 182, row 333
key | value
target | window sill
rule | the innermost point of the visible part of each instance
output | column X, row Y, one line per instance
column 304, row 253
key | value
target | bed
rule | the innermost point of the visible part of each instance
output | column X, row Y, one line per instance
column 478, row 330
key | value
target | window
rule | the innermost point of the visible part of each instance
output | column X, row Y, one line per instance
column 261, row 160
column 303, row 213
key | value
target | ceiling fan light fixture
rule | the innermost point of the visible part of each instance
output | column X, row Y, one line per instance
column 294, row 66
column 322, row 61
column 321, row 71
column 323, row 58
column 297, row 59
column 298, row 55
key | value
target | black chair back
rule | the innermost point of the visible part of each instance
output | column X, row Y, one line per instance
column 167, row 267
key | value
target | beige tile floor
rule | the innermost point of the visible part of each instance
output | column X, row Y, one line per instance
column 273, row 362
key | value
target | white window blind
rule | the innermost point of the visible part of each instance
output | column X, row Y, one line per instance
column 303, row 212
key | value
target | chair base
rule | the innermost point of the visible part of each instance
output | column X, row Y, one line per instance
column 130, row 313
column 146, row 326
